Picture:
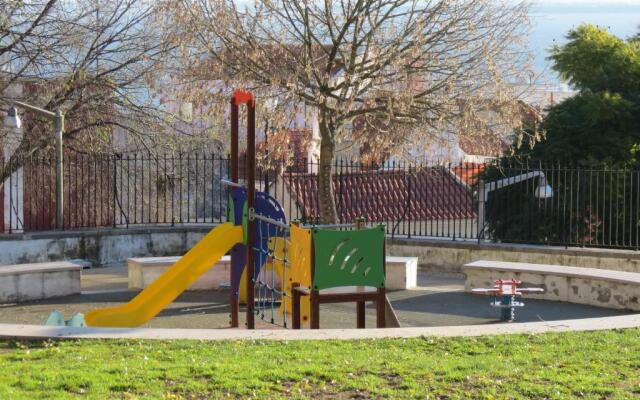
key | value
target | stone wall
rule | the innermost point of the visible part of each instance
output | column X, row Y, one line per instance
column 450, row 256
column 596, row 287
column 100, row 247
column 113, row 246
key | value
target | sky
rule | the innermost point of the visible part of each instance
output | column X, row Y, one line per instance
column 552, row 19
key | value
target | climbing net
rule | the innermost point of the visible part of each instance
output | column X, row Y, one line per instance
column 271, row 269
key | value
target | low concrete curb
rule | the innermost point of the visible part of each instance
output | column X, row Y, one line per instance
column 10, row 331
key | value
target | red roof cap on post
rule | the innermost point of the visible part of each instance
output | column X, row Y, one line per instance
column 242, row 97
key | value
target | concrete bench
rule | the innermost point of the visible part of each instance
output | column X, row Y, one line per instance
column 401, row 272
column 592, row 286
column 26, row 282
column 144, row 270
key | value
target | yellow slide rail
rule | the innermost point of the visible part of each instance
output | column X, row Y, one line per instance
column 164, row 290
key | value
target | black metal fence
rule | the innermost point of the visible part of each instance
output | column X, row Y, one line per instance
column 175, row 189
column 566, row 206
column 468, row 201
column 413, row 200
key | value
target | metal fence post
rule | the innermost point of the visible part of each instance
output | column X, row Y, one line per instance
column 115, row 188
column 481, row 209
column 408, row 209
column 59, row 127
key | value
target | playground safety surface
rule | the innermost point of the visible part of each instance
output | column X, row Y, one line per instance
column 438, row 301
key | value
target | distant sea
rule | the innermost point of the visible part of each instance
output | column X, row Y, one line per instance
column 552, row 20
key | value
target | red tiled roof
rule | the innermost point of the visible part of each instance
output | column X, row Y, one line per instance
column 468, row 172
column 431, row 193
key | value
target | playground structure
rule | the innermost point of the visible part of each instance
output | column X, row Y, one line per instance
column 315, row 264
column 355, row 257
column 505, row 293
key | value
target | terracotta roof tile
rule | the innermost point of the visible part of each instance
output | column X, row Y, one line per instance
column 431, row 193
column 468, row 172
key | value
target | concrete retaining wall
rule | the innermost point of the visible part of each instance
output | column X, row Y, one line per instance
column 450, row 256
column 596, row 287
column 100, row 247
column 111, row 246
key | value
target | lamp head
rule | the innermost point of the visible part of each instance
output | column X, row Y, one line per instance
column 544, row 190
column 12, row 119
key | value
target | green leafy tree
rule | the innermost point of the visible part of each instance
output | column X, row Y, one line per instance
column 598, row 128
column 601, row 124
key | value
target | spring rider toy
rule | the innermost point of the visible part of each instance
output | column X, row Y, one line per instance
column 504, row 293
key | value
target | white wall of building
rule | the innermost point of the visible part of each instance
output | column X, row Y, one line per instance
column 14, row 185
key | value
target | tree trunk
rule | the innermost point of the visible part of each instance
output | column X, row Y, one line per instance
column 328, row 212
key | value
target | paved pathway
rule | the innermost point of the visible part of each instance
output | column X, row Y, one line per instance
column 439, row 301
column 591, row 324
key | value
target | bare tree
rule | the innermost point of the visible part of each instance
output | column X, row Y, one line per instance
column 409, row 70
column 94, row 60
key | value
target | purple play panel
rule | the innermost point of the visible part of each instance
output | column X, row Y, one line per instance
column 267, row 206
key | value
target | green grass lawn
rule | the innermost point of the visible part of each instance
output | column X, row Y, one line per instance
column 593, row 365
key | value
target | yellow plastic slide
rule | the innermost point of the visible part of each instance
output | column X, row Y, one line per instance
column 169, row 285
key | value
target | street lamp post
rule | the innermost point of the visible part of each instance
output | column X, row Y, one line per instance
column 542, row 191
column 12, row 120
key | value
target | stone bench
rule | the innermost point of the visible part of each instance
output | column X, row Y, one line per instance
column 592, row 286
column 144, row 270
column 401, row 272
column 26, row 282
